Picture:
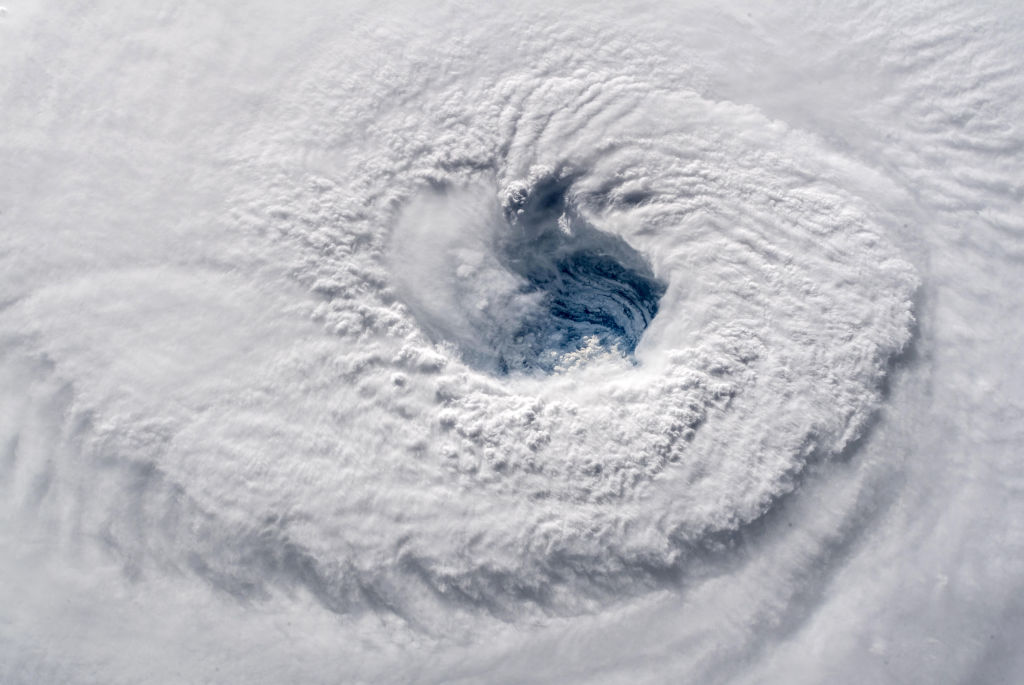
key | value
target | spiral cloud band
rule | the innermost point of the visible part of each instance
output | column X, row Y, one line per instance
column 415, row 343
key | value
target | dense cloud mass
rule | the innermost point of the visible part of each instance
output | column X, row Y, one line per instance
column 372, row 342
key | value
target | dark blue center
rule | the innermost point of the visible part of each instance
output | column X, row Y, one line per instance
column 592, row 285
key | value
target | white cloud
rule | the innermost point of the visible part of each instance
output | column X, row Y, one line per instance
column 253, row 289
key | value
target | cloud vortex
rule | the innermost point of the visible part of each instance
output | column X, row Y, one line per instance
column 484, row 340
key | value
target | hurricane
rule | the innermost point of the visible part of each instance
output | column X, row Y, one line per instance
column 408, row 342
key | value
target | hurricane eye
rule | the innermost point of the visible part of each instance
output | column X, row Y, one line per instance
column 593, row 287
column 530, row 286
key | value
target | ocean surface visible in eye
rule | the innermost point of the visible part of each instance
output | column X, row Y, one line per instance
column 595, row 288
column 532, row 288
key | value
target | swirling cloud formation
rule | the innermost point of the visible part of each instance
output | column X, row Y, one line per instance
column 647, row 344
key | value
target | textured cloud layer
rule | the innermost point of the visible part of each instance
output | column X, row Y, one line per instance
column 310, row 315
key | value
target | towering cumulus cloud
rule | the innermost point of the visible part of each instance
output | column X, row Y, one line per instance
column 405, row 343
